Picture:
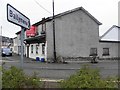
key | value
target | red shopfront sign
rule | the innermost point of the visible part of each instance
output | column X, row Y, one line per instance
column 31, row 31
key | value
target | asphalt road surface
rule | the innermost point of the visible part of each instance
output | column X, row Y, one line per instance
column 59, row 71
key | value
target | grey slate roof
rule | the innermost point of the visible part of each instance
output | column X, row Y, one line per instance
column 112, row 34
column 76, row 9
column 68, row 12
column 6, row 39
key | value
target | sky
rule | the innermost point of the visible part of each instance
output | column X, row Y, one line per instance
column 105, row 11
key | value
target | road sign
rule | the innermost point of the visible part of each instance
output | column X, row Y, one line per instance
column 16, row 17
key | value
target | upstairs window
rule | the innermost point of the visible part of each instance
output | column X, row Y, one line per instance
column 44, row 26
column 105, row 51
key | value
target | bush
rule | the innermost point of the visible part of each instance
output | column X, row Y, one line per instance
column 87, row 78
column 33, row 82
column 15, row 78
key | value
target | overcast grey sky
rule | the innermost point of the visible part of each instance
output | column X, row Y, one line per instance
column 105, row 11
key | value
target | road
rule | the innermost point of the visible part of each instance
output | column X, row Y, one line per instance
column 59, row 71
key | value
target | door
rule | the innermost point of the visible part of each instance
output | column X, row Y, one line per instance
column 27, row 51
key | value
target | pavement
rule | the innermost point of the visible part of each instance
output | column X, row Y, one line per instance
column 17, row 57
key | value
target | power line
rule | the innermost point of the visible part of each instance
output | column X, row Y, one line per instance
column 42, row 7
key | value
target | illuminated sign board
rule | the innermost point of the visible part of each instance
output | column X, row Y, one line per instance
column 16, row 17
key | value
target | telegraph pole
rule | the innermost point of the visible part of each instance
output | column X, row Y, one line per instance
column 1, row 39
column 54, row 45
column 118, row 41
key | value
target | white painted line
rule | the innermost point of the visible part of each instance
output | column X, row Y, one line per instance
column 7, row 61
column 114, row 81
column 51, row 80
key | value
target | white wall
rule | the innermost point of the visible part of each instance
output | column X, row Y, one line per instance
column 15, row 49
column 18, row 42
column 34, row 55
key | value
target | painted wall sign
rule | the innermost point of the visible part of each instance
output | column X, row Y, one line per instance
column 31, row 31
column 16, row 17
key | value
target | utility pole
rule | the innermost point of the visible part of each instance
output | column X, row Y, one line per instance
column 1, row 57
column 54, row 45
column 1, row 38
column 1, row 30
column 118, row 40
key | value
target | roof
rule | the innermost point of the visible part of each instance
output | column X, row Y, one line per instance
column 68, row 12
column 14, row 37
column 76, row 9
column 43, row 20
column 111, row 34
column 7, row 39
column 19, row 32
column 37, row 39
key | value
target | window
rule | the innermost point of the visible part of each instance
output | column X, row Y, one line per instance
column 43, row 48
column 36, row 49
column 93, row 51
column 105, row 51
column 19, row 49
column 31, row 48
column 44, row 27
column 19, row 36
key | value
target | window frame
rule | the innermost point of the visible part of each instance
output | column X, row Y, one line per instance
column 104, row 52
column 43, row 48
column 93, row 52
column 31, row 48
column 37, row 49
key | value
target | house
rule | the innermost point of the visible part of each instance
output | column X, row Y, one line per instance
column 6, row 42
column 76, row 35
column 36, row 40
column 15, row 46
column 17, row 43
column 110, row 43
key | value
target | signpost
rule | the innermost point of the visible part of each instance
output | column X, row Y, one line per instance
column 16, row 17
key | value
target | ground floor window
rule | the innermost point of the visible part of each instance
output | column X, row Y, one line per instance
column 105, row 51
column 37, row 49
column 19, row 49
column 31, row 48
column 43, row 48
column 93, row 51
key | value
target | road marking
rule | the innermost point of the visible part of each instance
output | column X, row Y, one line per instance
column 7, row 61
column 51, row 80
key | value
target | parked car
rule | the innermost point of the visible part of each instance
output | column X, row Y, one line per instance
column 6, row 52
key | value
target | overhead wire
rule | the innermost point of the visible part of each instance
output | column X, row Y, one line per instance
column 42, row 7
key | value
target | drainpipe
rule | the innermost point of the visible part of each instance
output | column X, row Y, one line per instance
column 54, row 45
